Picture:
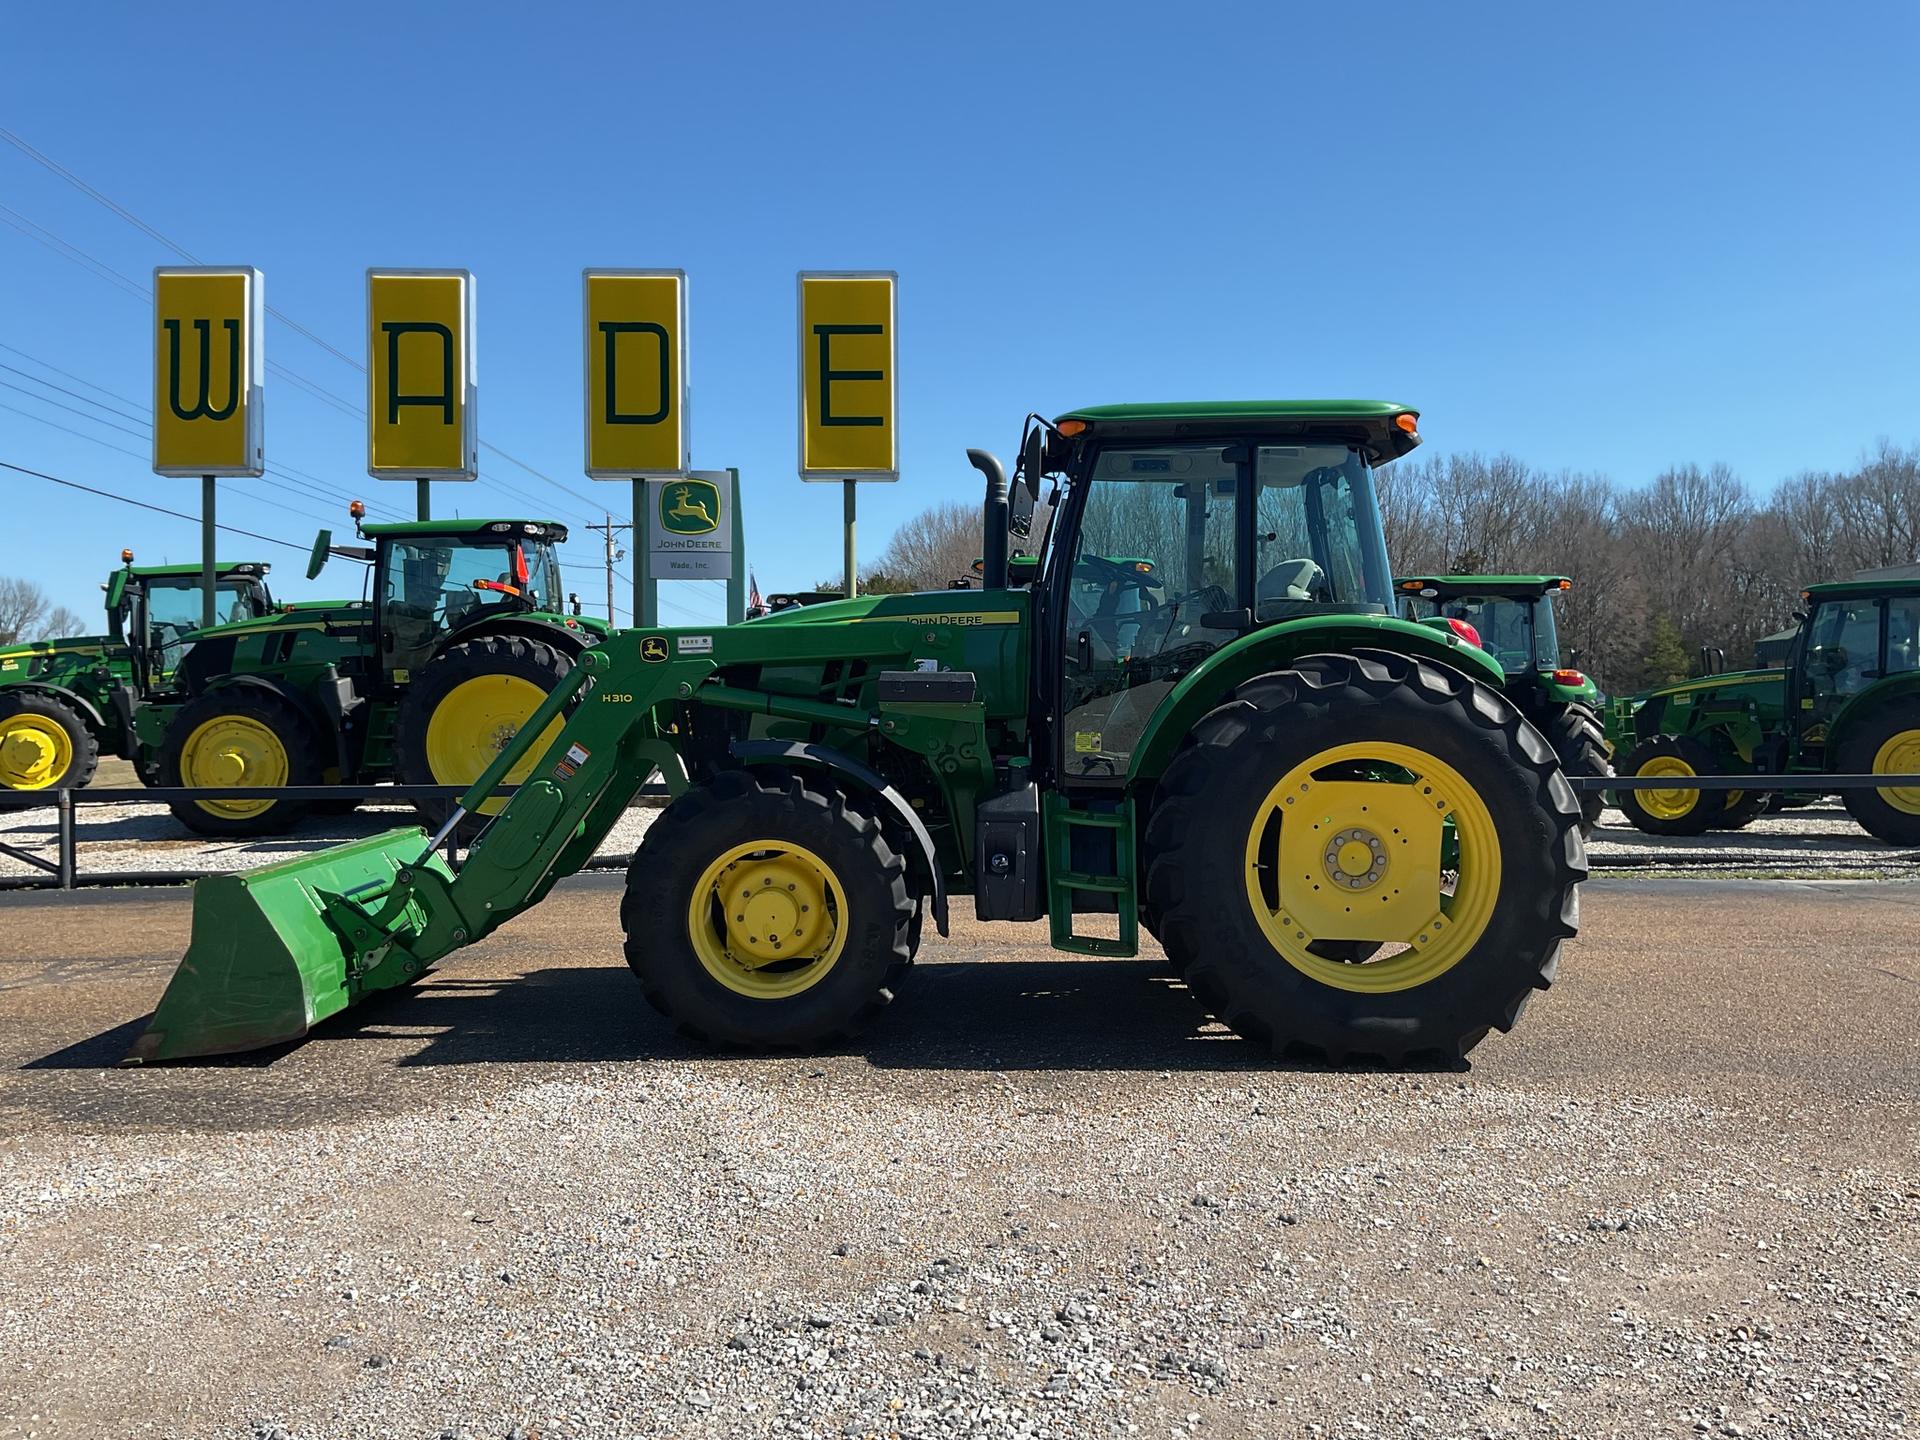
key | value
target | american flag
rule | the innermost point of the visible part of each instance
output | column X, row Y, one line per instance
column 756, row 607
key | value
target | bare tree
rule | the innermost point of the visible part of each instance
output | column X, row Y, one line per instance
column 934, row 548
column 63, row 624
column 23, row 610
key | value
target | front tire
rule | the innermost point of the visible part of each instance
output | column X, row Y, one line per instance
column 1300, row 844
column 239, row 736
column 464, row 708
column 44, row 744
column 1677, row 811
column 767, row 915
column 1886, row 743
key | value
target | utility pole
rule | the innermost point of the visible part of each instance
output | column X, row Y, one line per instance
column 613, row 554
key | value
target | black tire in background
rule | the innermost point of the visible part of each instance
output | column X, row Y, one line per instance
column 1879, row 812
column 258, row 707
column 738, row 807
column 1214, row 791
column 534, row 661
column 1580, row 741
column 81, row 740
column 1708, row 805
column 1743, row 808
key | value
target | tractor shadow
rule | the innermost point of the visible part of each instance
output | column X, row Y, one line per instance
column 1043, row 1014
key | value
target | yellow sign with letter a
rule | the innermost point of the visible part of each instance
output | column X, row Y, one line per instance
column 420, row 375
column 208, row 371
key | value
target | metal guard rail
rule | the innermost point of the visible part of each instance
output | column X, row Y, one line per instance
column 65, row 871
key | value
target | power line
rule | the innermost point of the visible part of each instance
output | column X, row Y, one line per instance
column 134, row 220
column 71, row 410
column 157, row 509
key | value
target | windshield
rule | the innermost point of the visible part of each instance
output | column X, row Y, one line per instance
column 444, row 579
column 1516, row 631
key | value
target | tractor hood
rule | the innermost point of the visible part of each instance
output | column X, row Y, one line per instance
column 17, row 659
column 932, row 607
column 306, row 615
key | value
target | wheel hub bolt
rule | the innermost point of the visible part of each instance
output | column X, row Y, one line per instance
column 1355, row 858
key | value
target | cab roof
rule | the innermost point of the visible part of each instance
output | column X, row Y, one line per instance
column 1374, row 426
column 222, row 569
column 532, row 529
column 1862, row 589
column 1521, row 585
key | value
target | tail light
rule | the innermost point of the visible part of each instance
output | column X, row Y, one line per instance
column 1568, row 677
column 1465, row 631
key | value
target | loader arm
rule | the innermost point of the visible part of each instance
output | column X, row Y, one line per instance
column 276, row 950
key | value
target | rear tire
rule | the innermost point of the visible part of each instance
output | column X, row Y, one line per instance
column 1886, row 743
column 1746, row 807
column 239, row 735
column 1350, row 723
column 694, row 959
column 1579, row 740
column 494, row 683
column 44, row 744
column 1669, row 812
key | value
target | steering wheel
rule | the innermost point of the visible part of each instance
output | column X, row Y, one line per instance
column 1110, row 571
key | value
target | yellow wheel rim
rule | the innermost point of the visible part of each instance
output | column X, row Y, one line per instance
column 1668, row 804
column 35, row 753
column 768, row 919
column 1900, row 755
column 1377, row 843
column 475, row 721
column 230, row 750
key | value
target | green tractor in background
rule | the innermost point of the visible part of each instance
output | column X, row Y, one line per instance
column 1847, row 702
column 65, row 702
column 460, row 636
column 1346, row 837
column 1512, row 619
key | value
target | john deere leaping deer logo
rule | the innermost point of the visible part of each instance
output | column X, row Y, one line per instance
column 653, row 648
column 690, row 507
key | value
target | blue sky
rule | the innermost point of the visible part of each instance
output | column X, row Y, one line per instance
column 1603, row 237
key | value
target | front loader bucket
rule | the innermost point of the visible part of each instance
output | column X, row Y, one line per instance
column 268, row 959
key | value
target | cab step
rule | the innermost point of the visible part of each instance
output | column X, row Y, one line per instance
column 1106, row 849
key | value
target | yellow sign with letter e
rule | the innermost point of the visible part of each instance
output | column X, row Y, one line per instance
column 848, row 395
column 421, row 386
column 209, row 413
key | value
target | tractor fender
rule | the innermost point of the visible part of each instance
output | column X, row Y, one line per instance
column 565, row 638
column 88, row 710
column 1274, row 647
column 1862, row 706
column 796, row 752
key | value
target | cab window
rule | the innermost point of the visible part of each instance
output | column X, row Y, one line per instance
column 1843, row 647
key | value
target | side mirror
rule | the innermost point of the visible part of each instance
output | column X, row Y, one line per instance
column 317, row 560
column 1033, row 464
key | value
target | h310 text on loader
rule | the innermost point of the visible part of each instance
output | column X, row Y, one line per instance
column 1344, row 835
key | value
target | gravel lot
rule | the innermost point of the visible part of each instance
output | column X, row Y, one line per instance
column 1044, row 1198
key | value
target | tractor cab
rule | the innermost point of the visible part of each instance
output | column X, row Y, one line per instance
column 1852, row 636
column 152, row 609
column 433, row 579
column 1178, row 529
column 1512, row 614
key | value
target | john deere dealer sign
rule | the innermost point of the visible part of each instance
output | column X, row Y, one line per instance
column 690, row 527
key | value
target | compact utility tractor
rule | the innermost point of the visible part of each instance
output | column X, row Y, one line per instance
column 63, row 702
column 1847, row 703
column 459, row 636
column 1346, row 837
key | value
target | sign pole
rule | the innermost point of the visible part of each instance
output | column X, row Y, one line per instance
column 851, row 489
column 423, row 499
column 737, row 581
column 642, row 560
column 208, row 540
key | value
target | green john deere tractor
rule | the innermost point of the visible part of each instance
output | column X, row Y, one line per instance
column 1344, row 834
column 1847, row 702
column 460, row 637
column 1512, row 617
column 63, row 702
